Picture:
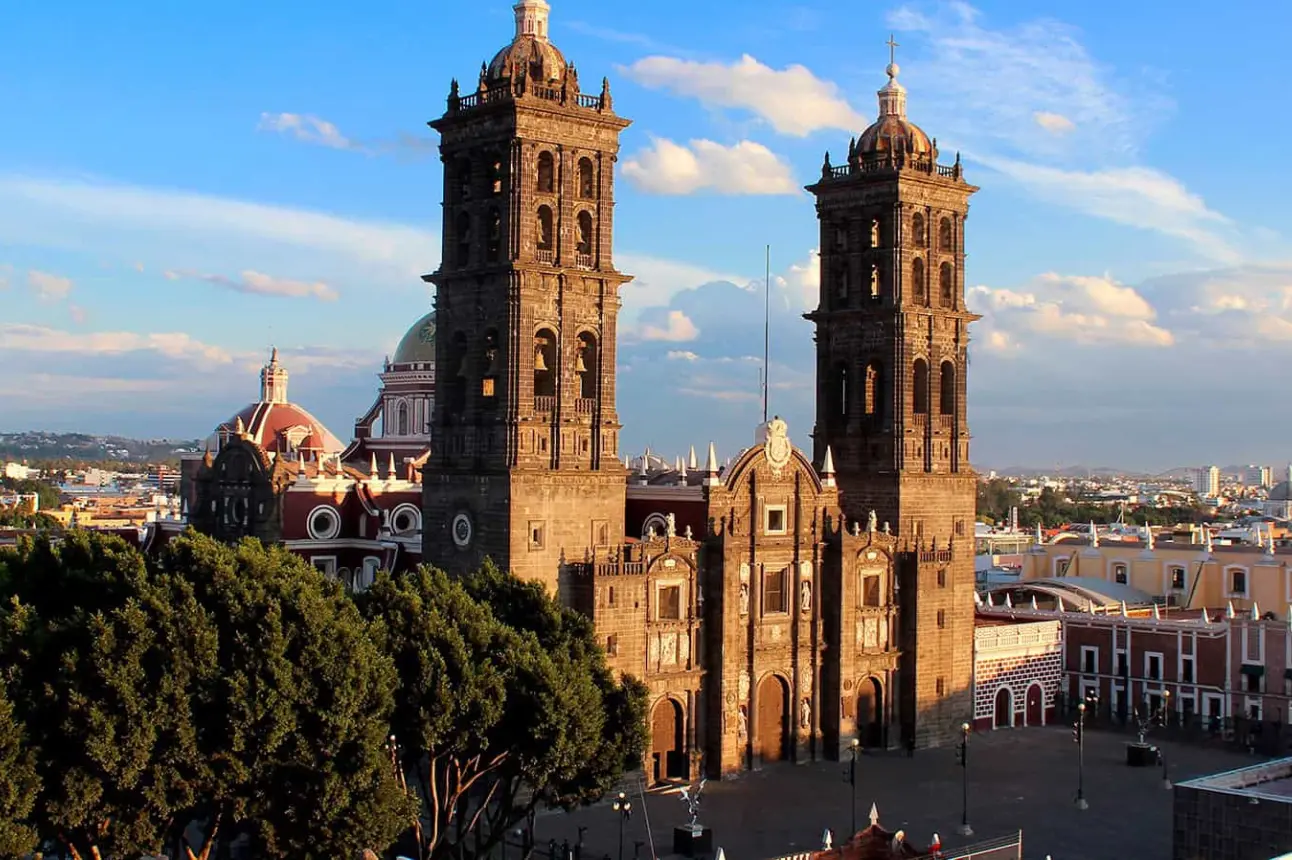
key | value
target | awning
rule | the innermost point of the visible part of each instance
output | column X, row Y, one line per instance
column 1254, row 671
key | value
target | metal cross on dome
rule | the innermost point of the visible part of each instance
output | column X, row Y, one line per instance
column 892, row 49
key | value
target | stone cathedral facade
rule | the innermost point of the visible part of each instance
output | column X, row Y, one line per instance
column 784, row 605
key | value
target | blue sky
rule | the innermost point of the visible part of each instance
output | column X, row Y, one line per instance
column 182, row 185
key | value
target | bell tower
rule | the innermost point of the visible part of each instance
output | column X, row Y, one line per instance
column 525, row 465
column 892, row 333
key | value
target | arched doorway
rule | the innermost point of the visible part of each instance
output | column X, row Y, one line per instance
column 1004, row 709
column 1035, row 705
column 667, row 749
column 773, row 738
column 870, row 713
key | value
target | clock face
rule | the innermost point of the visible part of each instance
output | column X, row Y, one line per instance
column 427, row 333
column 462, row 530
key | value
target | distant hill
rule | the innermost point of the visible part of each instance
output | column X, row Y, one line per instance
column 39, row 446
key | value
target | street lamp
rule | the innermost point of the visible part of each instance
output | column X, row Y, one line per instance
column 624, row 807
column 1079, row 735
column 965, row 829
column 855, row 749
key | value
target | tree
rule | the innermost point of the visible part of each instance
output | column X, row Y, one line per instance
column 293, row 730
column 504, row 703
column 19, row 785
column 102, row 665
column 49, row 496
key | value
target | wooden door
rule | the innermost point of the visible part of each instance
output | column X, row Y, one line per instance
column 1035, row 706
column 773, row 719
column 666, row 741
column 1004, row 709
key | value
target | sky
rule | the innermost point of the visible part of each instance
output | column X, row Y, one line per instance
column 183, row 185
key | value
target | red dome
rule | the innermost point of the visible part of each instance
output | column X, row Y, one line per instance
column 282, row 427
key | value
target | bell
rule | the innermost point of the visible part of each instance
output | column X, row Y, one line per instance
column 493, row 363
column 579, row 365
column 540, row 363
column 462, row 368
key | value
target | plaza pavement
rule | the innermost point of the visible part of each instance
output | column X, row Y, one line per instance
column 1018, row 779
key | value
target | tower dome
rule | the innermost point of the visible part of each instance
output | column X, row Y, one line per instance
column 530, row 52
column 893, row 133
column 417, row 346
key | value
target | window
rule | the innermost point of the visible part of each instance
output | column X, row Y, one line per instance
column 536, row 530
column 1089, row 659
column 365, row 576
column 489, row 380
column 324, row 523
column 1119, row 574
column 1251, row 683
column 585, row 233
column 947, row 388
column 1186, row 670
column 1254, row 709
column 874, row 388
column 493, row 239
column 463, row 173
column 946, row 285
column 774, row 520
column 587, row 179
column 546, row 173
column 942, row 618
column 919, row 233
column 495, row 176
column 1153, row 666
column 585, row 366
column 464, row 239
column 870, row 590
column 670, row 603
column 1177, row 579
column 841, row 283
column 917, row 280
column 401, row 421
column 841, row 391
column 406, row 520
column 544, row 228
column 612, row 645
column 1237, row 582
column 775, row 593
column 610, row 596
column 1123, row 666
column 942, row 577
column 920, row 386
column 942, row 686
column 544, row 361
column 944, row 236
column 325, row 564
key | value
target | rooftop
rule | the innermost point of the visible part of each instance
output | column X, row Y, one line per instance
column 1269, row 781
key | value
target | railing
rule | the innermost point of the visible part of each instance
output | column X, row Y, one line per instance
column 940, row 556
column 585, row 405
column 920, row 420
column 583, row 261
column 919, row 163
column 519, row 91
column 945, row 422
column 621, row 568
column 545, row 255
column 544, row 403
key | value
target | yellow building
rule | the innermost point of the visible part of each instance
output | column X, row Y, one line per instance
column 1192, row 576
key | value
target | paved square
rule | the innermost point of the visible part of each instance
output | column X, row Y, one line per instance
column 1024, row 778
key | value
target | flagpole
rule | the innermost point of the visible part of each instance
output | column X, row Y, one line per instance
column 767, row 327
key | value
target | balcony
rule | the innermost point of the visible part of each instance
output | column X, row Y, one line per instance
column 944, row 423
column 545, row 255
column 545, row 403
column 583, row 261
column 585, row 405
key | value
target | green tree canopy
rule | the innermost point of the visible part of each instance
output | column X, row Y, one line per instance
column 504, row 703
column 19, row 785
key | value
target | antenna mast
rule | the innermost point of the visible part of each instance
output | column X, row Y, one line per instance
column 767, row 327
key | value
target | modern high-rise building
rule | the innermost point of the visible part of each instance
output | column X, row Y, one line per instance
column 1206, row 482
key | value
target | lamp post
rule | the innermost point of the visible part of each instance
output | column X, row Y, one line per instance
column 965, row 829
column 1161, row 754
column 1079, row 735
column 855, row 749
column 624, row 807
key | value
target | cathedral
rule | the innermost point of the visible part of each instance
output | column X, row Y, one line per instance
column 782, row 606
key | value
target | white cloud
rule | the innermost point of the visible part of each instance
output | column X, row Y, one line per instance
column 792, row 100
column 677, row 328
column 6, row 271
column 50, row 288
column 308, row 129
column 40, row 339
column 1083, row 309
column 257, row 283
column 803, row 281
column 1055, row 123
column 746, row 167
column 656, row 280
column 77, row 313
column 682, row 355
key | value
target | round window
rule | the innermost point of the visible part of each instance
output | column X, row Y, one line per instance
column 462, row 530
column 405, row 520
column 324, row 523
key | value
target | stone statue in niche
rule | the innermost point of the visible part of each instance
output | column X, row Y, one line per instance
column 744, row 598
column 742, row 686
column 670, row 525
column 688, row 533
column 805, row 714
column 650, row 533
column 805, row 596
column 874, row 233
column 668, row 649
column 742, row 723
column 874, row 282
column 871, row 522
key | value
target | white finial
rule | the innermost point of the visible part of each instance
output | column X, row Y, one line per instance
column 531, row 18
column 892, row 97
column 1094, row 536
column 1157, row 616
column 874, row 815
column 977, row 599
column 1229, row 610
column 711, row 467
column 1035, row 608
column 1290, row 614
column 827, row 467
column 827, row 840
column 1148, row 529
column 691, row 462
column 681, row 475
column 1206, row 530
column 1204, row 620
column 1009, row 603
column 1256, row 612
column 1123, row 609
column 1040, row 538
column 991, row 601
column 390, row 472
column 372, row 471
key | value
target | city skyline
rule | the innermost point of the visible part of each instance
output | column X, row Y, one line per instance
column 168, row 214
